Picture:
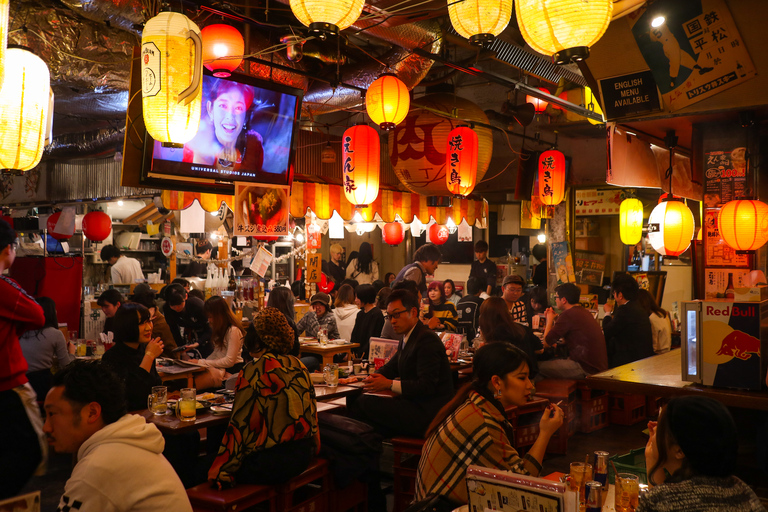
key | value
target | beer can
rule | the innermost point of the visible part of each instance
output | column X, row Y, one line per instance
column 601, row 468
column 592, row 490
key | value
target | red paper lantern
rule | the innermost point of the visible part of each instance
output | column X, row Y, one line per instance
column 461, row 161
column 563, row 96
column 393, row 233
column 96, row 226
column 539, row 105
column 552, row 177
column 744, row 224
column 222, row 41
column 51, row 224
column 438, row 234
column 361, row 157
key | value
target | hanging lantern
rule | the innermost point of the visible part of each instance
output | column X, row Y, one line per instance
column 461, row 161
column 327, row 17
column 670, row 228
column 171, row 71
column 221, row 41
column 552, row 177
column 328, row 155
column 631, row 221
column 361, row 157
column 393, row 233
column 564, row 29
column 539, row 105
column 387, row 101
column 24, row 105
column 51, row 225
column 438, row 234
column 744, row 224
column 313, row 236
column 563, row 96
column 96, row 226
column 4, row 6
column 480, row 21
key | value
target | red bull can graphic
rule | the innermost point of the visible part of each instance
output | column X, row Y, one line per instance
column 592, row 491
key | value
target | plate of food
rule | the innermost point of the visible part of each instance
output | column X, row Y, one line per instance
column 263, row 206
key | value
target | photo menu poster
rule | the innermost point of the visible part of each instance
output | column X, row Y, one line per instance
column 726, row 176
column 716, row 281
column 717, row 252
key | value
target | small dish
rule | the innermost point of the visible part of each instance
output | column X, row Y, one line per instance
column 218, row 409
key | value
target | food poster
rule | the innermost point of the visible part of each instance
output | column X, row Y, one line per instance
column 726, row 177
column 562, row 262
column 261, row 209
column 696, row 53
column 717, row 252
column 590, row 268
column 716, row 281
column 731, row 344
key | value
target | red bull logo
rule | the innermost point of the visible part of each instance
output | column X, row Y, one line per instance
column 739, row 344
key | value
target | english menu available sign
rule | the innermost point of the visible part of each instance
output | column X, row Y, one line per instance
column 629, row 94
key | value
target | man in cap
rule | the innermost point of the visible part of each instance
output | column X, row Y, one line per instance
column 512, row 293
column 320, row 316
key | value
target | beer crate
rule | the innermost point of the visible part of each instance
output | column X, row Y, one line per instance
column 626, row 408
column 652, row 406
column 525, row 420
column 564, row 391
column 632, row 462
column 593, row 414
column 588, row 393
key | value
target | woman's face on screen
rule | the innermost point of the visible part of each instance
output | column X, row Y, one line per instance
column 228, row 114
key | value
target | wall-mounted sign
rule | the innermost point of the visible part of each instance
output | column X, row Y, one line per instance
column 629, row 94
column 166, row 245
column 598, row 202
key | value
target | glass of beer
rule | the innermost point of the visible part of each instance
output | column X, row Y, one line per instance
column 627, row 492
column 187, row 405
column 581, row 473
column 157, row 402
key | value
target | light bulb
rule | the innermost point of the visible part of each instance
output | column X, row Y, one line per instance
column 542, row 238
column 300, row 238
column 119, row 203
column 214, row 236
column 357, row 218
column 658, row 21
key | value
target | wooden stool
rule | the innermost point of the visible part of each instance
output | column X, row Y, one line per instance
column 315, row 480
column 352, row 497
column 206, row 499
column 404, row 469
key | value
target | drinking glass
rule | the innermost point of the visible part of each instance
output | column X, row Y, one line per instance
column 331, row 375
column 157, row 401
column 81, row 349
column 627, row 492
column 187, row 405
column 580, row 474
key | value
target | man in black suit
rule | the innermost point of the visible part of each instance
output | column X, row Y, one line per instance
column 628, row 333
column 419, row 374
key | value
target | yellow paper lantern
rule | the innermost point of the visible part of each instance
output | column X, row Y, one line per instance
column 361, row 157
column 744, row 224
column 24, row 103
column 480, row 20
column 387, row 101
column 631, row 221
column 327, row 16
column 171, row 77
column 670, row 227
column 4, row 6
column 564, row 29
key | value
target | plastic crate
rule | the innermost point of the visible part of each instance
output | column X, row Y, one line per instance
column 632, row 462
column 625, row 408
column 594, row 414
column 525, row 420
column 558, row 389
column 652, row 406
column 588, row 393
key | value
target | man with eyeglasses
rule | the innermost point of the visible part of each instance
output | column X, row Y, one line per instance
column 419, row 375
column 581, row 336
column 21, row 427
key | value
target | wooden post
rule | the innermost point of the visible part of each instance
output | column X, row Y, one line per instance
column 172, row 261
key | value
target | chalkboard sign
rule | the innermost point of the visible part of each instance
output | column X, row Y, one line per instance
column 629, row 94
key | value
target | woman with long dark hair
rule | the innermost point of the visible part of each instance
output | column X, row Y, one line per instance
column 473, row 427
column 496, row 325
column 369, row 320
column 661, row 327
column 442, row 314
column 227, row 341
column 363, row 268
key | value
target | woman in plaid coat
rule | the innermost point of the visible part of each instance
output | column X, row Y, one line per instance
column 473, row 429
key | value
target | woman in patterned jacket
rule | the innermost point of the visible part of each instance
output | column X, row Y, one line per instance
column 272, row 435
column 473, row 429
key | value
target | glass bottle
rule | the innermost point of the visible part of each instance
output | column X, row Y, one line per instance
column 729, row 292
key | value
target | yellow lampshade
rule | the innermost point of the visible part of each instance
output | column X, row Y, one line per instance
column 744, row 224
column 564, row 29
column 670, row 228
column 631, row 221
column 24, row 100
column 4, row 6
column 480, row 20
column 387, row 101
column 171, row 71
column 361, row 160
column 327, row 16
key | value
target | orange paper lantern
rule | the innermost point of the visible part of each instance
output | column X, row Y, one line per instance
column 552, row 177
column 387, row 101
column 221, row 41
column 393, row 233
column 539, row 105
column 744, row 224
column 461, row 161
column 361, row 157
column 670, row 228
column 438, row 234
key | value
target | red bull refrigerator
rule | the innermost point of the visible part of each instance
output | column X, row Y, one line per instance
column 722, row 343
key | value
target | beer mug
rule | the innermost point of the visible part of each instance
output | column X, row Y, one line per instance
column 186, row 407
column 331, row 375
column 157, row 401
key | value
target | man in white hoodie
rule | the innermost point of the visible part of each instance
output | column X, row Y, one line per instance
column 120, row 464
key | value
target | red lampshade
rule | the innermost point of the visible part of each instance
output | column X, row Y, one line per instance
column 51, row 224
column 97, row 226
column 393, row 233
column 563, row 96
column 438, row 234
column 461, row 161
column 552, row 177
column 538, row 104
column 361, row 160
column 744, row 224
column 222, row 41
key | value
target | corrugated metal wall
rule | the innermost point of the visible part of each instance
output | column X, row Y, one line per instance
column 89, row 179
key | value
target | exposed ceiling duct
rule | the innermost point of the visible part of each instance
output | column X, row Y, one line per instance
column 94, row 144
column 128, row 15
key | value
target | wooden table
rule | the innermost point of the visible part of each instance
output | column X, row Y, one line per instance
column 328, row 351
column 188, row 374
column 660, row 375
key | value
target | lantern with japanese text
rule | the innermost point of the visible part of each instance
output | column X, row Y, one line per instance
column 393, row 233
column 438, row 234
column 417, row 145
column 552, row 177
column 631, row 221
column 539, row 105
column 51, row 223
column 96, row 226
column 461, row 161
column 670, row 227
column 361, row 158
column 223, row 48
column 480, row 21
column 743, row 224
column 313, row 236
column 327, row 16
column 387, row 101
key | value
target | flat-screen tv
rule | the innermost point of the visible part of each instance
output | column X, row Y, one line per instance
column 247, row 133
